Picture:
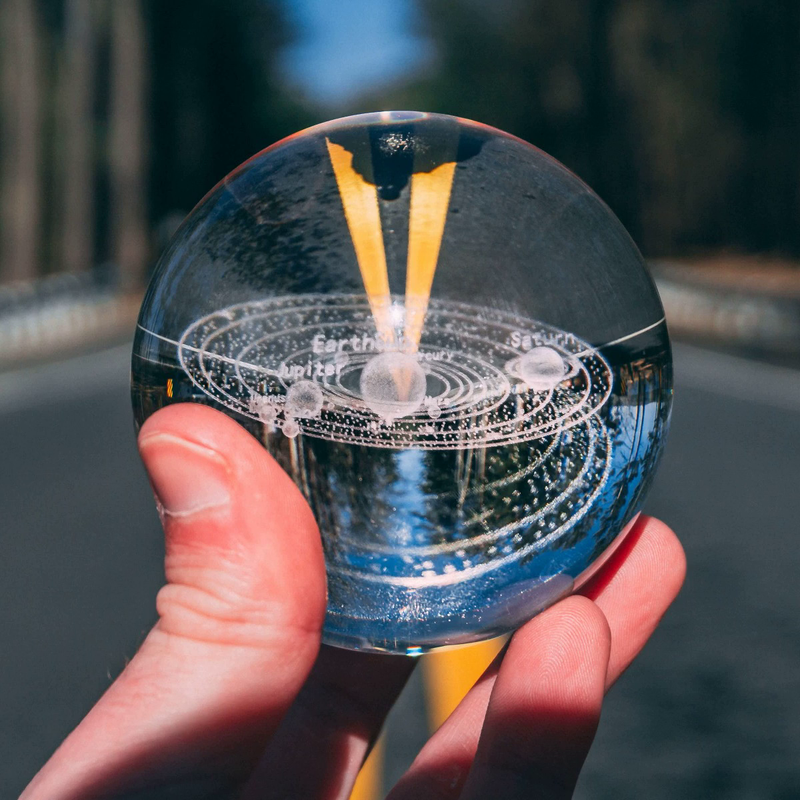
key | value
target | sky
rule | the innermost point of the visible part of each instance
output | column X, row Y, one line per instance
column 346, row 47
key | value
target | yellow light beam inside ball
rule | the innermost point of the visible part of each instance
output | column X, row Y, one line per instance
column 430, row 198
column 360, row 202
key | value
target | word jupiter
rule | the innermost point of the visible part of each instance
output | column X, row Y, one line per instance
column 311, row 369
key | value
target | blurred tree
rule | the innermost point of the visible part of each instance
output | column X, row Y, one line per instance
column 684, row 116
column 763, row 92
column 217, row 95
column 116, row 117
column 21, row 140
column 76, row 109
column 713, row 95
column 128, row 143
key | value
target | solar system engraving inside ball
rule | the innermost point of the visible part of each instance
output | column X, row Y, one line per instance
column 451, row 345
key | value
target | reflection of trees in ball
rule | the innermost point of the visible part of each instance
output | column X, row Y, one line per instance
column 348, row 489
column 461, row 485
column 393, row 385
column 641, row 382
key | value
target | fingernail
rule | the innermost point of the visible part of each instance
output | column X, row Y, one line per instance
column 187, row 477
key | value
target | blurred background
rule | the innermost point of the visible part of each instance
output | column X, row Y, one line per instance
column 116, row 116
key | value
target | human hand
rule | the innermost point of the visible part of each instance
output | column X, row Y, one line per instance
column 231, row 696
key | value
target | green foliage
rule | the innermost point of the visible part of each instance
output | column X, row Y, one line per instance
column 683, row 115
column 217, row 97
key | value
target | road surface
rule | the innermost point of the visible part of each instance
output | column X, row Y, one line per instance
column 710, row 710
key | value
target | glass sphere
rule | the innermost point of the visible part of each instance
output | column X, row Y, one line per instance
column 447, row 340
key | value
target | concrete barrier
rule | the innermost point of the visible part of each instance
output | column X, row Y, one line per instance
column 61, row 316
column 702, row 305
column 66, row 314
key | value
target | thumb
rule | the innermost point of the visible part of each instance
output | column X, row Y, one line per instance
column 239, row 621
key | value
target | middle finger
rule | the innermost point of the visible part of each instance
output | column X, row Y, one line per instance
column 322, row 742
column 633, row 589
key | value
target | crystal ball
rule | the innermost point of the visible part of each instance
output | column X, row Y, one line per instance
column 451, row 345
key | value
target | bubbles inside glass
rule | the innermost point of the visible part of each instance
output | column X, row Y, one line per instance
column 451, row 345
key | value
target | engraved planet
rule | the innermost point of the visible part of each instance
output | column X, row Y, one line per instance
column 393, row 385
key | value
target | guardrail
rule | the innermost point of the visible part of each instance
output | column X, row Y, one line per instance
column 60, row 315
column 66, row 313
column 700, row 309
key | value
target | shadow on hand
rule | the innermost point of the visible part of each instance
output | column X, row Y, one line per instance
column 317, row 747
column 538, row 754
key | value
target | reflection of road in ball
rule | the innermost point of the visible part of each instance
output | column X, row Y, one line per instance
column 304, row 399
column 541, row 368
column 393, row 385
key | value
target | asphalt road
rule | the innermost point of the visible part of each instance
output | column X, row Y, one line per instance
column 710, row 710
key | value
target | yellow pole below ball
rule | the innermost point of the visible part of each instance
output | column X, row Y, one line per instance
column 369, row 783
column 450, row 674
